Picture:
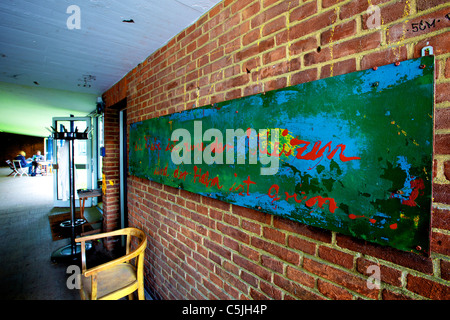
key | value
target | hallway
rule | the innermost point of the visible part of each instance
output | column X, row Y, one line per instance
column 26, row 271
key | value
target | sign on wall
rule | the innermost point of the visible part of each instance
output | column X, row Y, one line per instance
column 351, row 153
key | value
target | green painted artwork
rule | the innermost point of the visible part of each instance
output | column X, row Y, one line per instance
column 351, row 153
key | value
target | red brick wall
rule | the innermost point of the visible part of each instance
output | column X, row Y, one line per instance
column 201, row 248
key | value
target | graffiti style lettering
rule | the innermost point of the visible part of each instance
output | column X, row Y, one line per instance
column 180, row 174
column 204, row 178
column 319, row 200
column 162, row 171
column 247, row 182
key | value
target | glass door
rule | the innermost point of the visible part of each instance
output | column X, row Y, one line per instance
column 82, row 158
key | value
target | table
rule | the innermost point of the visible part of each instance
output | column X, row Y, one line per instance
column 84, row 194
column 45, row 167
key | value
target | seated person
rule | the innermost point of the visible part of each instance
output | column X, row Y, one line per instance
column 23, row 161
column 36, row 158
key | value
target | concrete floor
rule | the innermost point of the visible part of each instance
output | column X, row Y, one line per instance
column 26, row 270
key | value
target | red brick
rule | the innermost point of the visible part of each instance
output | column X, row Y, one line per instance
column 341, row 67
column 390, row 295
column 249, row 11
column 274, row 235
column 269, row 289
column 274, row 26
column 428, row 4
column 332, row 291
column 295, row 289
column 249, row 253
column 272, row 12
column 336, row 256
column 304, row 76
column 313, row 24
column 445, row 270
column 447, row 68
column 442, row 118
column 387, row 274
column 356, row 7
column 302, row 245
column 300, row 276
column 337, row 276
column 239, row 5
column 303, row 12
column 441, row 219
column 249, row 278
column 357, row 45
column 275, row 84
column 251, row 226
column 303, row 45
column 329, row 3
column 428, row 288
column 316, row 57
column 338, row 32
column 274, row 55
column 252, row 267
column 406, row 259
column 276, row 250
column 440, row 243
column 442, row 144
column 256, row 295
column 447, row 170
column 384, row 57
column 254, row 49
column 442, row 92
column 250, row 37
column 271, row 263
column 234, row 233
column 233, row 94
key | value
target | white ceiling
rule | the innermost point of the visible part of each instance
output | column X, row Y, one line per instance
column 37, row 46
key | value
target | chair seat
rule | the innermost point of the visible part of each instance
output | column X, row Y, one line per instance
column 118, row 277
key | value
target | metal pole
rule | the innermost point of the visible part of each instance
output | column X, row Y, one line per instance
column 72, row 189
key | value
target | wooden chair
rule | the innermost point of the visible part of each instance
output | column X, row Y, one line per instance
column 117, row 278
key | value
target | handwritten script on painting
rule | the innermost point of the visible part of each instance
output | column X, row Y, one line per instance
column 351, row 153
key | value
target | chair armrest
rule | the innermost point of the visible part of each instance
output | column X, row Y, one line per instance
column 106, row 265
column 100, row 236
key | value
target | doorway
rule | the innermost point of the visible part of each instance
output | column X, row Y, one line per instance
column 123, row 168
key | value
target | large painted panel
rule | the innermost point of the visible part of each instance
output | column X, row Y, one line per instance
column 351, row 153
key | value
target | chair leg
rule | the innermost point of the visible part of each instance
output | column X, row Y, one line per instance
column 130, row 296
column 141, row 295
